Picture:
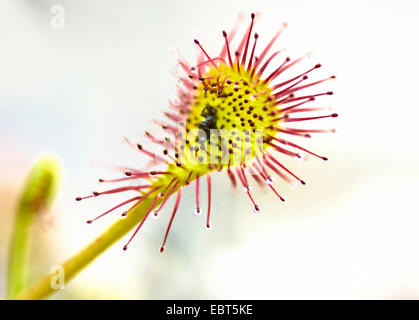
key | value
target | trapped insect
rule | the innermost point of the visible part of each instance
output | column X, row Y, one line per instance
column 210, row 122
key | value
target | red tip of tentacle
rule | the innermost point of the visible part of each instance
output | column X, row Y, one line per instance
column 209, row 201
column 198, row 208
column 179, row 193
column 205, row 53
column 248, row 39
column 228, row 49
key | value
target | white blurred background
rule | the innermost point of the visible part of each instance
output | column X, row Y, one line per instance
column 351, row 232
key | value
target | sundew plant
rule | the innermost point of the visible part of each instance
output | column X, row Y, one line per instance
column 232, row 116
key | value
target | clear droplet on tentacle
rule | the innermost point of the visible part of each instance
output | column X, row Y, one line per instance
column 197, row 212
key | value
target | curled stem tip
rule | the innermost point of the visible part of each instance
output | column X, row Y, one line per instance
column 38, row 194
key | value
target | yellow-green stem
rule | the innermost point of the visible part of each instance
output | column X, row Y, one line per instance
column 78, row 262
column 38, row 193
column 19, row 256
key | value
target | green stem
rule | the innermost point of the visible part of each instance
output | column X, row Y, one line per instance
column 38, row 194
column 78, row 262
column 19, row 254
